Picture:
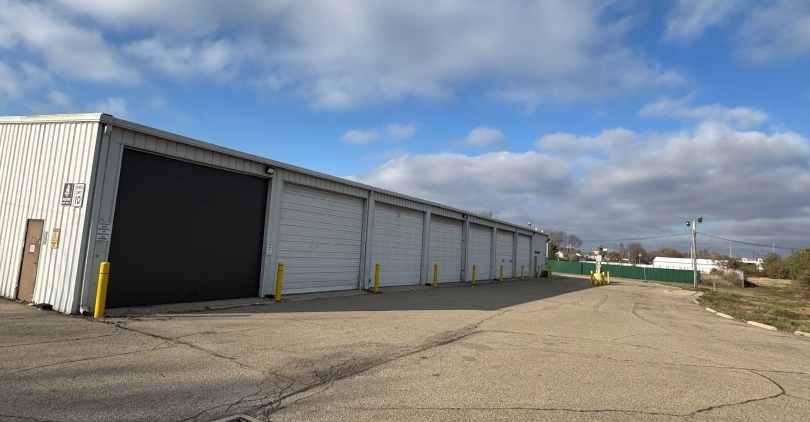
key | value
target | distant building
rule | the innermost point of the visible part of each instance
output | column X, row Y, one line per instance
column 703, row 265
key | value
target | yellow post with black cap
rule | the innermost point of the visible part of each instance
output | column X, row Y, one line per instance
column 473, row 275
column 377, row 278
column 435, row 275
column 101, row 291
column 279, row 280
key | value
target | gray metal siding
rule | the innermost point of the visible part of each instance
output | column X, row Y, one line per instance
column 37, row 159
column 195, row 154
column 524, row 255
column 400, row 202
column 397, row 244
column 480, row 252
column 503, row 254
column 323, row 184
column 445, row 248
column 320, row 239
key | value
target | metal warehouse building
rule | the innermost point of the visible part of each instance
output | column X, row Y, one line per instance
column 181, row 220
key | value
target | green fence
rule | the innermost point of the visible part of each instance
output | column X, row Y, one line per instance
column 625, row 271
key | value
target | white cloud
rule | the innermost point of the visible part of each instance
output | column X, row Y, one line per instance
column 690, row 18
column 778, row 32
column 761, row 32
column 219, row 59
column 8, row 83
column 750, row 185
column 68, row 49
column 60, row 100
column 483, row 137
column 360, row 137
column 741, row 117
column 357, row 53
column 399, row 131
column 567, row 144
column 113, row 105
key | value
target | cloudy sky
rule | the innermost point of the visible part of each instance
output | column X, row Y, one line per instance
column 609, row 119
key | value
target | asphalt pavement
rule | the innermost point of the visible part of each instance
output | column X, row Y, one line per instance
column 555, row 349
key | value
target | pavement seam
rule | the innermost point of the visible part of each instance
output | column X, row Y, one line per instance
column 158, row 347
column 536, row 409
column 25, row 418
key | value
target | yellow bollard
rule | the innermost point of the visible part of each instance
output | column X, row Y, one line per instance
column 435, row 275
column 592, row 277
column 377, row 278
column 548, row 274
column 608, row 277
column 521, row 272
column 101, row 291
column 537, row 273
column 279, row 280
column 473, row 277
column 500, row 279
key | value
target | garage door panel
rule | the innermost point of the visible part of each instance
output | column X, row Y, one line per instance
column 524, row 255
column 319, row 242
column 444, row 248
column 397, row 244
column 503, row 256
column 164, row 248
column 480, row 251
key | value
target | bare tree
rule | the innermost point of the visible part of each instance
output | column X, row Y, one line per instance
column 572, row 244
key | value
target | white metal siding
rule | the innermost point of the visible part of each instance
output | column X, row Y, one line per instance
column 36, row 160
column 396, row 244
column 524, row 255
column 445, row 248
column 503, row 254
column 480, row 252
column 320, row 239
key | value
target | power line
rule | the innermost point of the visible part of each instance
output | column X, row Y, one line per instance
column 635, row 238
column 752, row 244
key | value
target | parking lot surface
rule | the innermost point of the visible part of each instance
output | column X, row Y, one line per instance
column 555, row 349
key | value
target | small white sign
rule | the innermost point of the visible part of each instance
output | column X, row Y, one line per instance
column 104, row 226
column 106, row 232
column 78, row 195
column 32, row 248
column 102, row 237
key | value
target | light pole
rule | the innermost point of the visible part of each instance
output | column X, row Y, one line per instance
column 693, row 224
column 639, row 259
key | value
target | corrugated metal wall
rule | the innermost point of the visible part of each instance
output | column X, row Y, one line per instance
column 37, row 160
column 186, row 152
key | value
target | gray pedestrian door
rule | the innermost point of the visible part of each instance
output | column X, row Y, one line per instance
column 28, row 268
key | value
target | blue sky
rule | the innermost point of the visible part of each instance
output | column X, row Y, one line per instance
column 610, row 120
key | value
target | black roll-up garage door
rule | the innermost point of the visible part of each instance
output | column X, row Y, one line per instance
column 184, row 232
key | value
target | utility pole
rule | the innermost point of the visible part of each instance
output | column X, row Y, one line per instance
column 693, row 224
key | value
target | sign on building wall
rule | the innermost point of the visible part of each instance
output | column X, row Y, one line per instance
column 78, row 195
column 104, row 231
column 55, row 238
column 67, row 194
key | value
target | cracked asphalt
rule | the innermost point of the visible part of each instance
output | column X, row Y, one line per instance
column 553, row 349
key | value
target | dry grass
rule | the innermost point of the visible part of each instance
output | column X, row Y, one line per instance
column 774, row 302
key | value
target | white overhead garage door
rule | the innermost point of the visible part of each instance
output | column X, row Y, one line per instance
column 503, row 254
column 319, row 240
column 480, row 252
column 396, row 244
column 524, row 255
column 445, row 248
